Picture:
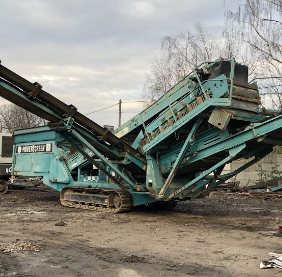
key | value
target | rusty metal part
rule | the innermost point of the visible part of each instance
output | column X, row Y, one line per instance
column 246, row 99
column 220, row 118
column 244, row 92
column 72, row 111
column 55, row 124
column 244, row 85
column 3, row 188
column 106, row 135
column 114, row 200
column 36, row 90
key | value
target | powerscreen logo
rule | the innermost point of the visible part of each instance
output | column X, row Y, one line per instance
column 37, row 148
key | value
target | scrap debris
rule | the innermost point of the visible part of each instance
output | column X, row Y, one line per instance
column 274, row 263
column 20, row 246
column 260, row 195
column 266, row 195
column 28, row 184
column 233, row 190
column 230, row 187
column 61, row 223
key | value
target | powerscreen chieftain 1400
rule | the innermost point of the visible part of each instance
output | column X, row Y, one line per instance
column 174, row 150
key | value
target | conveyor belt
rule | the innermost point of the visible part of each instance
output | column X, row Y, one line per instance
column 60, row 108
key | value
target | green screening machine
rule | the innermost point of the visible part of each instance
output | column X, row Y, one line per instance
column 172, row 151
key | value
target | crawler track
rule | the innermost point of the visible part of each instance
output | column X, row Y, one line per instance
column 113, row 200
column 3, row 187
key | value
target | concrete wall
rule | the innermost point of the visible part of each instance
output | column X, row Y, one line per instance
column 250, row 175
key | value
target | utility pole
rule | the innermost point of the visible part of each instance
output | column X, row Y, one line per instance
column 119, row 113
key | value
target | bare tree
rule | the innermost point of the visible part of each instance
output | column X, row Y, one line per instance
column 13, row 117
column 181, row 54
column 158, row 81
column 187, row 50
column 257, row 24
column 253, row 36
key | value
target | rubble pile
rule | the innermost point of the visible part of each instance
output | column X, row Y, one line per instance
column 229, row 187
column 20, row 246
column 266, row 195
column 232, row 190
column 253, row 194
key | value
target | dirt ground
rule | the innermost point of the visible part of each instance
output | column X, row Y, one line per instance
column 204, row 237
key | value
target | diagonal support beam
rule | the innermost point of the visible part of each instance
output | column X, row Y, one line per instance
column 240, row 169
column 232, row 153
column 189, row 140
column 91, row 159
column 105, row 160
column 100, row 156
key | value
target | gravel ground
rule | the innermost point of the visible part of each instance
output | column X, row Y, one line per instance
column 215, row 236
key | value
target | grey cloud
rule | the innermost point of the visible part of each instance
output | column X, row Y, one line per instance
column 93, row 53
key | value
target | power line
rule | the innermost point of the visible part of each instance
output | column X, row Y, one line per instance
column 105, row 116
column 131, row 112
column 115, row 105
column 102, row 109
column 128, row 107
column 136, row 101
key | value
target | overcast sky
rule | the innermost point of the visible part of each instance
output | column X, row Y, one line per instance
column 92, row 53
